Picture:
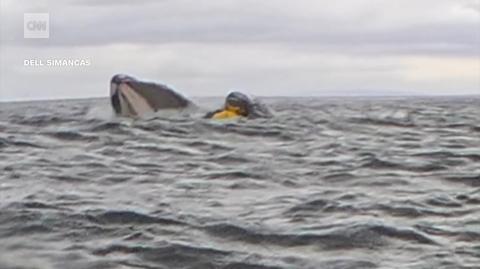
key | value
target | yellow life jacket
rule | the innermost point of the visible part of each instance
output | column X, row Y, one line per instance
column 228, row 113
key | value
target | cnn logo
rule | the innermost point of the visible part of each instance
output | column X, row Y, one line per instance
column 36, row 25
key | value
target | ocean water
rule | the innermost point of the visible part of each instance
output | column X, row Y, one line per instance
column 330, row 183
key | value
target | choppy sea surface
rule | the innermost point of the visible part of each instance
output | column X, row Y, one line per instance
column 331, row 183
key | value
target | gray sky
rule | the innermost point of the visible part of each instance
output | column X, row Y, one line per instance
column 267, row 47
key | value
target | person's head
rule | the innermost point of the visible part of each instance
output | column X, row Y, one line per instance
column 238, row 102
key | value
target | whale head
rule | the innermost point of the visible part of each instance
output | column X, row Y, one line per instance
column 132, row 98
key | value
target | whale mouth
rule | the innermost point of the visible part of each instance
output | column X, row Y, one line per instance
column 131, row 97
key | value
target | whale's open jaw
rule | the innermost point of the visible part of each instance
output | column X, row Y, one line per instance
column 132, row 98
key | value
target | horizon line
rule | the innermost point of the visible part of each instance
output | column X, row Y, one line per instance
column 261, row 96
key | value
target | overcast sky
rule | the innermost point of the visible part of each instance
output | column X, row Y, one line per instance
column 262, row 47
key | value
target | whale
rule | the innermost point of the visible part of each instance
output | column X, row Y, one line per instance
column 131, row 97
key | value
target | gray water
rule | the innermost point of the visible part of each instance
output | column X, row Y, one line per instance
column 326, row 183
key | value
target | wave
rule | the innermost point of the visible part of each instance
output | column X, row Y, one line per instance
column 325, row 183
column 129, row 217
column 71, row 136
column 358, row 235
